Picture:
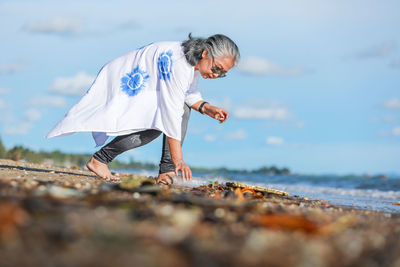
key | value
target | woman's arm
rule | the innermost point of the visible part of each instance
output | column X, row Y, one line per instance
column 214, row 112
column 177, row 158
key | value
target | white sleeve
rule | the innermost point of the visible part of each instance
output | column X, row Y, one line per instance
column 193, row 95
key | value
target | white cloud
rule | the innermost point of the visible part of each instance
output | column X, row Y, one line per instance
column 381, row 50
column 266, row 113
column 385, row 119
column 196, row 129
column 23, row 124
column 56, row 25
column 396, row 131
column 47, row 101
column 261, row 66
column 32, row 115
column 20, row 127
column 130, row 25
column 395, row 63
column 390, row 133
column 393, row 103
column 383, row 133
column 239, row 134
column 210, row 138
column 226, row 103
column 2, row 104
column 299, row 125
column 274, row 141
column 76, row 85
column 4, row 91
column 12, row 67
column 262, row 110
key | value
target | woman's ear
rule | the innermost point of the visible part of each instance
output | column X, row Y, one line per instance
column 204, row 54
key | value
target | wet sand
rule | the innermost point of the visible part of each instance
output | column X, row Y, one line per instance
column 52, row 216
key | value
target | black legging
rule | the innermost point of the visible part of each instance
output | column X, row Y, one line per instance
column 123, row 143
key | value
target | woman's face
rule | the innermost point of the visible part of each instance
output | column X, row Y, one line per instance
column 211, row 68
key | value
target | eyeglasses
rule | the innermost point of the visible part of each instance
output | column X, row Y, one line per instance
column 217, row 70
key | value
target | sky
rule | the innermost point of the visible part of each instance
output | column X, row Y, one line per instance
column 317, row 89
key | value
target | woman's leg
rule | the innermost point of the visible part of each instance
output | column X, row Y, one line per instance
column 166, row 164
column 98, row 163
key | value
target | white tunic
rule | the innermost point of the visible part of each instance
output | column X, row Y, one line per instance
column 145, row 89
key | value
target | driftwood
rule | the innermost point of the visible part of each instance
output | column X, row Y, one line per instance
column 257, row 188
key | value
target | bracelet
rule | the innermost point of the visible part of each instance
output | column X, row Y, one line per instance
column 201, row 107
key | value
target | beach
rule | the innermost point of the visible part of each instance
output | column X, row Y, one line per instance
column 54, row 216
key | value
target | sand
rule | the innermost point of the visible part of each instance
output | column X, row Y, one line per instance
column 53, row 216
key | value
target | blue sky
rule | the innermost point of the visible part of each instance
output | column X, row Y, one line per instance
column 317, row 89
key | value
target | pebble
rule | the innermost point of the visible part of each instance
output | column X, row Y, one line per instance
column 105, row 187
column 94, row 191
column 149, row 189
column 259, row 240
column 78, row 186
column 185, row 219
column 219, row 213
column 87, row 187
column 175, row 219
column 61, row 192
column 165, row 210
column 100, row 212
column 182, row 223
column 40, row 190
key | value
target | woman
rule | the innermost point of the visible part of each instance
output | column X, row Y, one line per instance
column 147, row 92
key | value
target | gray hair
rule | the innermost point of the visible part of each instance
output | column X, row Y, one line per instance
column 217, row 45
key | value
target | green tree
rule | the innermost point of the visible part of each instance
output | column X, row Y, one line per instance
column 15, row 153
column 3, row 150
column 273, row 170
column 285, row 171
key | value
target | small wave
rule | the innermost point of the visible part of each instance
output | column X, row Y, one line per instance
column 356, row 192
column 199, row 181
column 361, row 198
column 371, row 193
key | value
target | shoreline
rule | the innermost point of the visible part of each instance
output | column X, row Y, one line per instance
column 66, row 216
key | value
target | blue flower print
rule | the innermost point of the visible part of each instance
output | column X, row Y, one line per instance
column 165, row 65
column 135, row 81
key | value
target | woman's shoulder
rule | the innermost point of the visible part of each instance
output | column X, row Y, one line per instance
column 172, row 51
column 168, row 44
column 172, row 48
column 163, row 46
column 171, row 62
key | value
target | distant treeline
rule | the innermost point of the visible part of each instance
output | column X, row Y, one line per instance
column 59, row 158
column 270, row 170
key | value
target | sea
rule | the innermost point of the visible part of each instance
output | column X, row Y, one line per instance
column 378, row 193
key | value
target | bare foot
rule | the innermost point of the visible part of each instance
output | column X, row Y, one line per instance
column 100, row 169
column 165, row 178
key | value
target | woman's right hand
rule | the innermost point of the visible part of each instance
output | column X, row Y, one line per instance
column 177, row 158
column 181, row 166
